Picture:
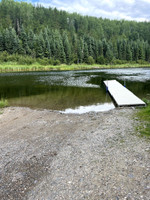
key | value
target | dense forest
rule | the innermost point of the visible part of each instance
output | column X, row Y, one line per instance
column 54, row 36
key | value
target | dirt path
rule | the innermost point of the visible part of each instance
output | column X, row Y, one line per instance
column 46, row 155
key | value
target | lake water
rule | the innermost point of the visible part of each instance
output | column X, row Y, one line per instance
column 71, row 91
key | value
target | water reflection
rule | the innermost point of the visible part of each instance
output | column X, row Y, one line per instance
column 60, row 98
column 90, row 108
column 70, row 89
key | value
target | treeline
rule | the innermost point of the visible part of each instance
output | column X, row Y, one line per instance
column 59, row 37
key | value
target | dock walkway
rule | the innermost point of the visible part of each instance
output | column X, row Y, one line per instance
column 121, row 95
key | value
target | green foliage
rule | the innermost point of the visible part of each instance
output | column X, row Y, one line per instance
column 145, row 112
column 43, row 61
column 119, row 62
column 3, row 103
column 101, row 60
column 142, row 62
column 109, row 55
column 4, row 56
column 14, row 66
column 25, row 60
column 56, row 62
column 46, row 33
column 144, row 115
column 90, row 60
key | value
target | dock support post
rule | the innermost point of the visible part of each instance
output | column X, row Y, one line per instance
column 107, row 86
column 124, row 83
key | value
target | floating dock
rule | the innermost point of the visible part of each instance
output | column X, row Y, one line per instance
column 121, row 95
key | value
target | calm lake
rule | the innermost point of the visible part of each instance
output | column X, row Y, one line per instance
column 70, row 91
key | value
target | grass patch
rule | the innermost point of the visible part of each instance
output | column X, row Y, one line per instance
column 144, row 116
column 3, row 103
column 15, row 67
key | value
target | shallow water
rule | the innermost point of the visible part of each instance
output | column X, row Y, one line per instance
column 71, row 91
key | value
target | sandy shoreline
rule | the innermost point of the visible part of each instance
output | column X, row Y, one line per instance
column 49, row 155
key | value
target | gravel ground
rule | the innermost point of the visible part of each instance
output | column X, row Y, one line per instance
column 46, row 155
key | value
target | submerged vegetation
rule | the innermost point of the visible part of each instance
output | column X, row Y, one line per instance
column 34, row 35
column 144, row 116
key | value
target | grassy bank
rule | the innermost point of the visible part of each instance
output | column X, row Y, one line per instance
column 3, row 103
column 15, row 67
column 144, row 116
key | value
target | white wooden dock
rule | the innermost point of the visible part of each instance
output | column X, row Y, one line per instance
column 121, row 95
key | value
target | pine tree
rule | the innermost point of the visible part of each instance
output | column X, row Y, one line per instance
column 136, row 52
column 74, row 48
column 60, row 53
column 124, row 50
column 85, row 53
column 30, row 39
column 101, row 60
column 128, row 53
column 46, row 32
column 109, row 54
column 47, row 51
column 147, row 52
column 105, row 47
column 67, row 48
column 141, row 50
column 80, row 50
column 96, row 50
column 7, row 41
column 100, row 48
column 23, row 37
column 1, row 42
column 90, row 49
column 115, row 50
column 120, row 50
column 53, row 47
column 38, row 45
column 15, row 40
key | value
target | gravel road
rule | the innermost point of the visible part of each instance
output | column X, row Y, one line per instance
column 46, row 155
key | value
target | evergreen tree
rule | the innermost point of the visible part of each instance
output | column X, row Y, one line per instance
column 120, row 50
column 23, row 37
column 136, row 52
column 80, row 51
column 74, row 48
column 1, row 42
column 101, row 60
column 124, row 49
column 67, row 48
column 46, row 32
column 105, row 47
column 47, row 51
column 38, row 45
column 85, row 53
column 100, row 48
column 128, row 53
column 30, row 39
column 7, row 41
column 147, row 52
column 115, row 50
column 109, row 54
column 141, row 50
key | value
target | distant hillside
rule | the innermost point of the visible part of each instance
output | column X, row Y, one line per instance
column 70, row 38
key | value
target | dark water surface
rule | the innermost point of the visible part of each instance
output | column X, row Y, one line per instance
column 76, row 91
